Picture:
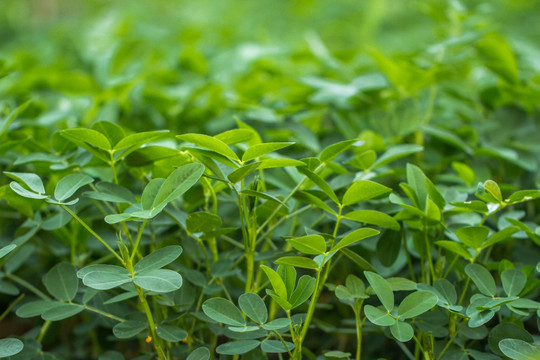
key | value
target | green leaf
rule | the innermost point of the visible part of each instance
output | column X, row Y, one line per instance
column 10, row 347
column 357, row 259
column 111, row 192
column 506, row 330
column 112, row 131
column 288, row 274
column 242, row 172
column 378, row 316
column 276, row 346
column 158, row 280
column 517, row 349
column 465, row 172
column 276, row 281
column 278, row 163
column 223, row 311
column 158, row 259
column 388, row 247
column 355, row 236
column 304, row 289
column 297, row 261
column 310, row 244
column 356, row 287
column 68, row 185
column 210, row 143
column 446, row 289
column 237, row 347
column 513, row 281
column 395, row 153
column 417, row 181
column 254, row 307
column 500, row 236
column 13, row 115
column 482, row 279
column 373, row 217
column 331, row 151
column 262, row 195
column 363, row 190
column 202, row 221
column 401, row 284
column 236, row 136
column 523, row 195
column 129, row 328
column 25, row 193
column 473, row 236
column 258, row 150
column 337, row 354
column 402, row 331
column 171, row 333
column 137, row 140
column 35, row 308
column 381, row 288
column 104, row 277
column 61, row 312
column 321, row 183
column 177, row 183
column 82, row 136
column 201, row 353
column 491, row 187
column 416, row 304
column 498, row 56
column 33, row 181
column 7, row 249
column 62, row 282
column 448, row 137
column 277, row 324
column 454, row 247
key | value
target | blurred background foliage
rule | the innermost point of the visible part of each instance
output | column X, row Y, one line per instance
column 439, row 73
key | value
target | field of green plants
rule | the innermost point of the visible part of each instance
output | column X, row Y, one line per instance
column 279, row 179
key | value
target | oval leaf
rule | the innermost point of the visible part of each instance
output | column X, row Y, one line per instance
column 210, row 143
column 10, row 346
column 158, row 258
column 68, row 185
column 381, row 288
column 416, row 303
column 224, row 311
column 355, row 236
column 159, row 280
column 363, row 190
column 311, row 244
column 254, row 307
column 62, row 282
column 237, row 347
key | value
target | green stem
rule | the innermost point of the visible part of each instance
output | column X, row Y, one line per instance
column 428, row 252
column 103, row 313
column 359, row 323
column 156, row 342
column 11, row 306
column 89, row 229
column 138, row 241
column 451, row 340
column 43, row 330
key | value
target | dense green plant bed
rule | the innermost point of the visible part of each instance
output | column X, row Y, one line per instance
column 223, row 197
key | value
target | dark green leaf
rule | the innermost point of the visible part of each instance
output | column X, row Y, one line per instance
column 201, row 353
column 61, row 312
column 224, row 311
column 276, row 346
column 517, row 349
column 62, row 282
column 254, row 307
column 171, row 333
column 237, row 347
column 402, row 331
column 158, row 258
column 68, row 185
column 378, row 316
column 158, row 280
column 482, row 279
column 513, row 281
column 10, row 346
column 416, row 303
column 129, row 328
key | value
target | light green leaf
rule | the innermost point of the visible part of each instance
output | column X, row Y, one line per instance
column 61, row 312
column 276, row 346
column 33, row 181
column 498, row 56
column 276, row 281
column 138, row 139
column 177, row 183
column 25, row 193
column 378, row 316
column 310, row 244
column 500, row 236
column 373, row 217
column 402, row 331
column 395, row 153
column 104, row 277
column 517, row 349
column 277, row 324
column 129, row 328
column 236, row 136
column 254, row 307
column 35, row 308
column 491, row 187
column 171, row 333
column 454, row 247
column 473, row 236
column 112, row 131
column 331, row 151
column 446, row 289
column 68, row 185
column 320, row 182
column 237, row 347
column 304, row 289
column 87, row 136
column 297, row 261
column 417, row 182
column 416, row 304
column 482, row 279
column 258, row 150
column 158, row 258
column 355, row 236
column 288, row 274
column 465, row 172
column 210, row 143
column 7, row 249
column 223, row 311
column 523, row 195
column 62, row 282
column 363, row 190
column 10, row 347
column 277, row 163
column 381, row 288
column 158, row 280
column 513, row 281
column 262, row 195
column 242, row 172
column 201, row 353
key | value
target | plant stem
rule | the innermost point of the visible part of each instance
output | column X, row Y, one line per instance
column 27, row 285
column 89, row 229
column 138, row 241
column 103, row 313
column 156, row 342
column 359, row 323
column 11, row 306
